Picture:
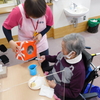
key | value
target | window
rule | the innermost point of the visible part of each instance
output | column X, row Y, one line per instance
column 7, row 3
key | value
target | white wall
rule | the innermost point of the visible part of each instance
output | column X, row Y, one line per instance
column 2, row 19
column 60, row 19
column 94, row 8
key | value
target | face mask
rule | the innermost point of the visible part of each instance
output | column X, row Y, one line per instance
column 35, row 19
column 69, row 55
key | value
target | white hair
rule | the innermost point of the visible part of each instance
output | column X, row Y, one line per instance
column 74, row 42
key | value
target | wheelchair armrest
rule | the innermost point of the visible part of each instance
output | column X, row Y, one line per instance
column 90, row 95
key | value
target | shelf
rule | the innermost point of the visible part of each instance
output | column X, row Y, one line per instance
column 4, row 10
column 9, row 9
column 49, row 4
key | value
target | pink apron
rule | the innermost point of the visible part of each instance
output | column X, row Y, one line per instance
column 26, row 30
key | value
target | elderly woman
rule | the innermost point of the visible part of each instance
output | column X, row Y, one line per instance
column 69, row 82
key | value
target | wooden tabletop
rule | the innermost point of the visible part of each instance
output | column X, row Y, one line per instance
column 19, row 74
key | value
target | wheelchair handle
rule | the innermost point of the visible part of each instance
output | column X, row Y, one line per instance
column 96, row 54
column 87, row 47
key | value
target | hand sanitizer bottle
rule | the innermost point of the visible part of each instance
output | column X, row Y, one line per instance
column 72, row 6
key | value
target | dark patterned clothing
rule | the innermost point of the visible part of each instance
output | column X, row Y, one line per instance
column 73, row 75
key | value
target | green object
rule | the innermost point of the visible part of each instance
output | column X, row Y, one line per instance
column 98, row 20
column 93, row 22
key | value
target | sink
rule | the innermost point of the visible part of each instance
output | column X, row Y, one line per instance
column 79, row 11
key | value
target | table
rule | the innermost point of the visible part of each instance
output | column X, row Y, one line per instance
column 18, row 74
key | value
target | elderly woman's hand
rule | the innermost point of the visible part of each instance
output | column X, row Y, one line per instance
column 41, row 58
column 52, row 83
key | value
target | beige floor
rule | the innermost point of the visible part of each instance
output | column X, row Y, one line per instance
column 92, row 40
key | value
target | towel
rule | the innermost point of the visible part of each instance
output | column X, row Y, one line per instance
column 46, row 91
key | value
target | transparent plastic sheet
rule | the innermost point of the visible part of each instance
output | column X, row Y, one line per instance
column 7, row 89
column 96, row 98
column 11, row 87
column 64, row 89
column 0, row 89
column 50, row 77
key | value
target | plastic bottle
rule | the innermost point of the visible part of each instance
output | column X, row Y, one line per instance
column 72, row 6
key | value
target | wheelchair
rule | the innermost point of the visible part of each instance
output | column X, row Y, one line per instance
column 90, row 76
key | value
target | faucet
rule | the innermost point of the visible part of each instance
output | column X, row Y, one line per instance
column 75, row 6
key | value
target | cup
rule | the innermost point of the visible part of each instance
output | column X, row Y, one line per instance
column 32, row 69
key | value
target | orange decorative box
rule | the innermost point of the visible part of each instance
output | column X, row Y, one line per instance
column 27, row 50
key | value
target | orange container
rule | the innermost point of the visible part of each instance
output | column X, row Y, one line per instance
column 27, row 50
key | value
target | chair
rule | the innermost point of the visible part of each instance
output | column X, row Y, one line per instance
column 3, row 58
column 87, row 58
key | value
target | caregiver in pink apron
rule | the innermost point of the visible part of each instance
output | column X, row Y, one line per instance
column 34, row 19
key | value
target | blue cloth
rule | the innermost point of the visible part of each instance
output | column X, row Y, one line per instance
column 93, row 89
column 96, row 89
